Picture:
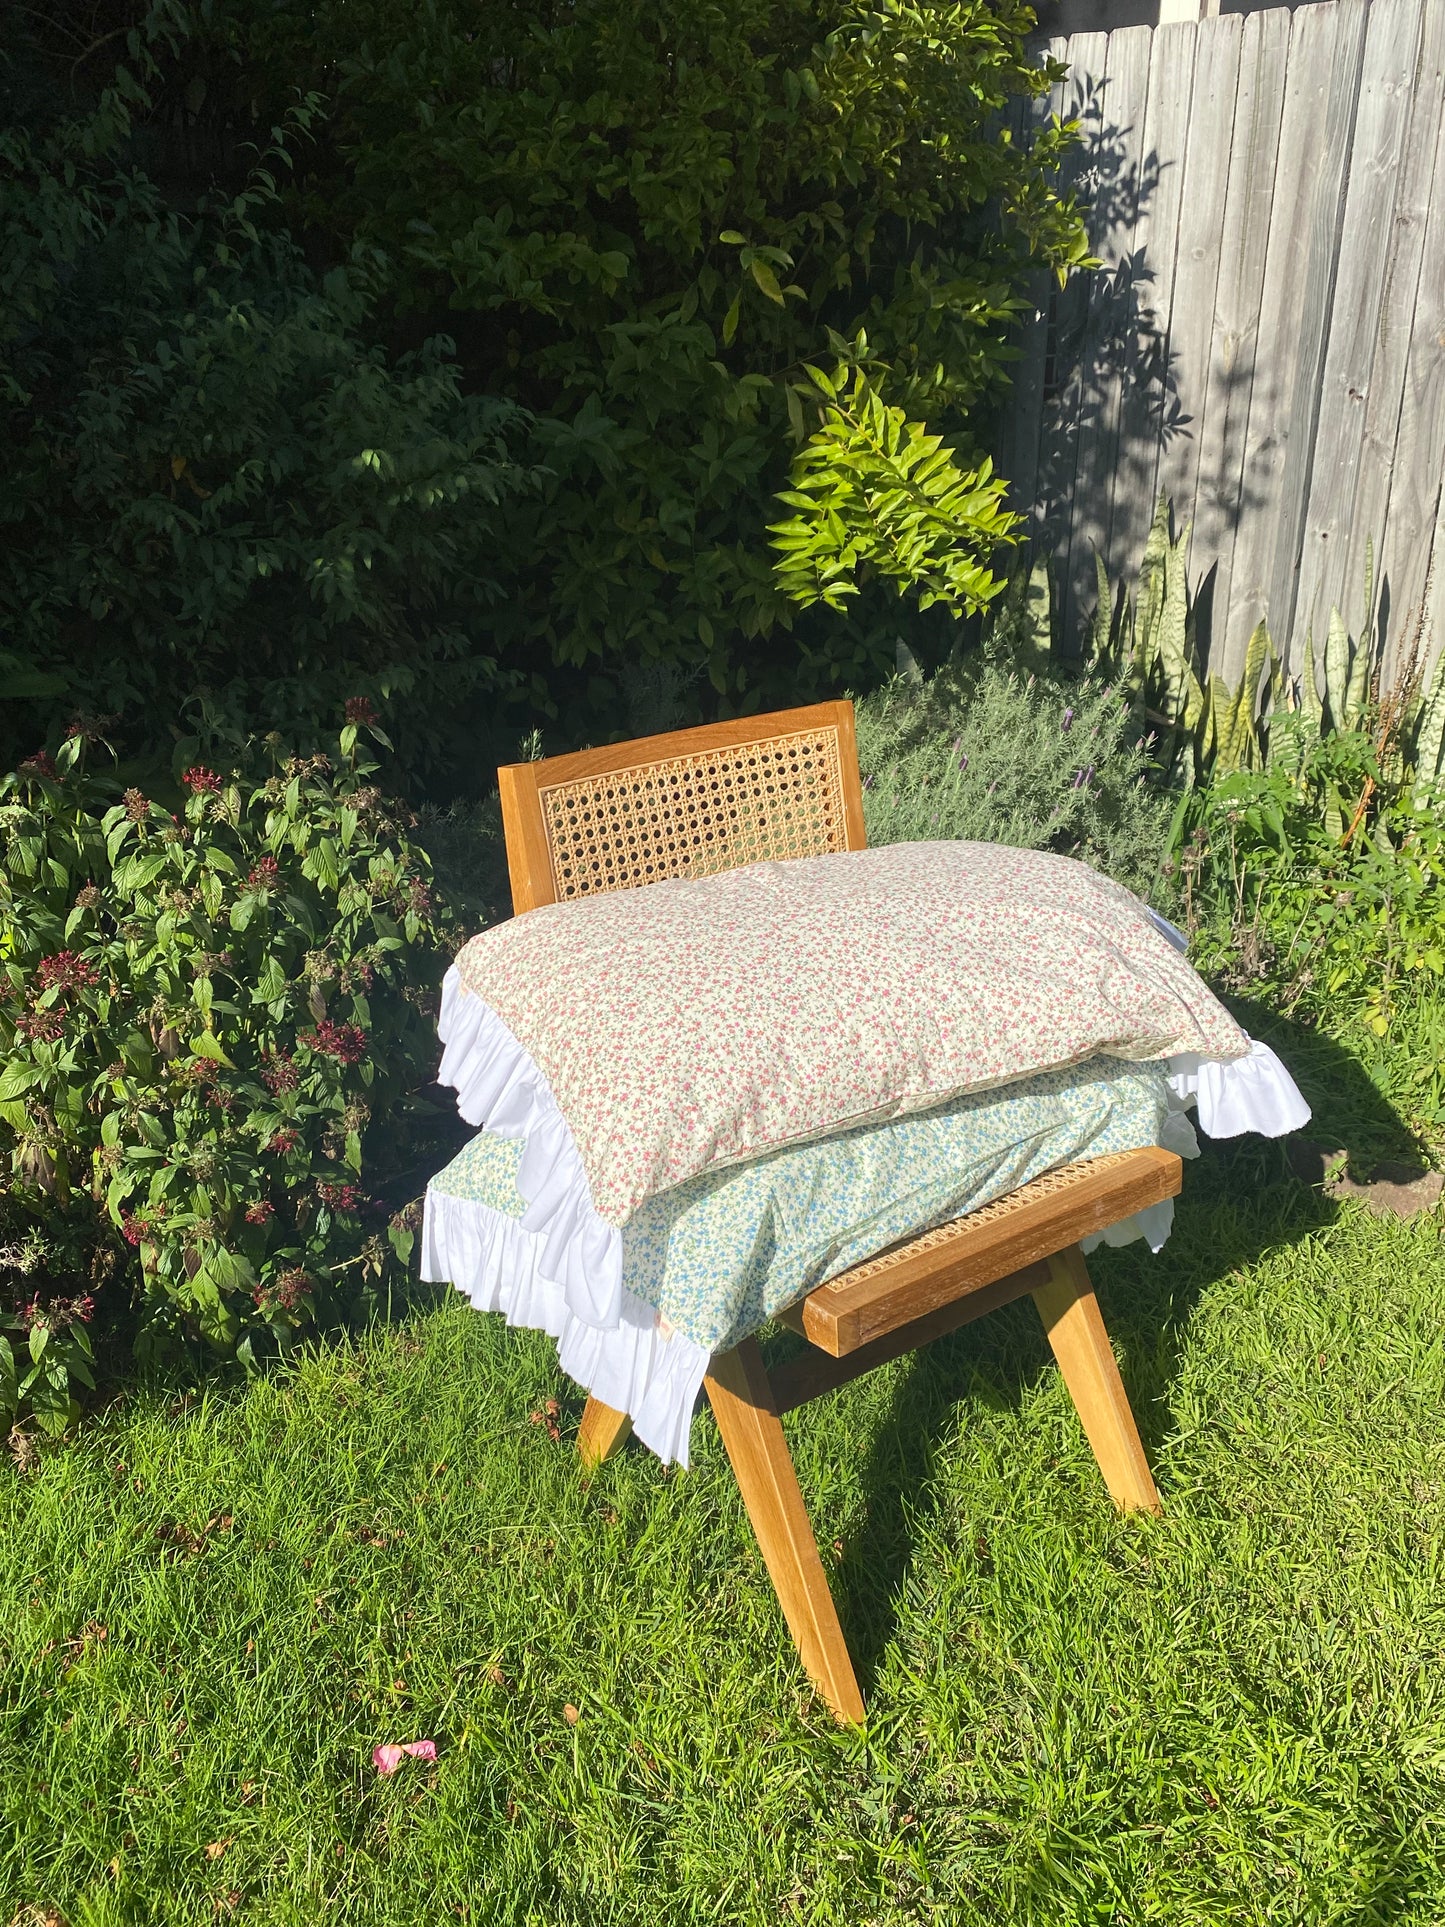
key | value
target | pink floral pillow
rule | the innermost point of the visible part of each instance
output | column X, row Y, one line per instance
column 698, row 1022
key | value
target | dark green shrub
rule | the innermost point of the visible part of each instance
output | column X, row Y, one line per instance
column 215, row 477
column 209, row 1020
column 645, row 221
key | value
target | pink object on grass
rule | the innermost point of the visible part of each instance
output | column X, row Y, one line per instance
column 387, row 1759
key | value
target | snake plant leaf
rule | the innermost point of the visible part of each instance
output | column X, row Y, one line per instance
column 1101, row 625
column 1183, row 698
column 1337, row 670
column 1038, row 613
column 1258, row 652
column 1430, row 736
column 1217, row 737
column 1194, row 699
column 1310, row 702
column 1153, row 574
column 1156, row 545
column 1357, row 692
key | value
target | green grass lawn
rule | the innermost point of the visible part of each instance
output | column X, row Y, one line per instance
column 213, row 1610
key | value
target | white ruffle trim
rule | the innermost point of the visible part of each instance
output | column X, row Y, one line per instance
column 636, row 1367
column 1155, row 1222
column 500, row 1087
column 1253, row 1093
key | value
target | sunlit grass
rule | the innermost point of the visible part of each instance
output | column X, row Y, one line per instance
column 212, row 1611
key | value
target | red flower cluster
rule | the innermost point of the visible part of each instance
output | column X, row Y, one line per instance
column 290, row 1288
column 340, row 1197
column 201, row 781
column 278, row 1072
column 346, row 1042
column 263, row 874
column 360, row 709
column 137, row 805
column 58, row 1314
column 40, row 1026
column 67, row 971
column 260, row 1213
column 205, row 1074
column 133, row 1226
column 283, row 1141
column 42, row 763
column 419, row 897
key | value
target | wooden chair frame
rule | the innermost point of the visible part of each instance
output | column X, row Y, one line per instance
column 699, row 800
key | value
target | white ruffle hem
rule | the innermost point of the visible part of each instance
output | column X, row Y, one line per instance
column 558, row 1268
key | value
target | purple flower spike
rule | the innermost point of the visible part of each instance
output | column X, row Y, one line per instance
column 1068, row 721
column 1078, row 779
column 1088, row 775
column 963, row 762
column 867, row 782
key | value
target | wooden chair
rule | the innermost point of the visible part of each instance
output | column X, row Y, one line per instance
column 786, row 785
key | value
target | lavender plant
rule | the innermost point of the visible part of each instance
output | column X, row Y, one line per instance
column 985, row 752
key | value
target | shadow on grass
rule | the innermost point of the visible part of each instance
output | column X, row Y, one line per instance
column 1241, row 1199
column 1350, row 1112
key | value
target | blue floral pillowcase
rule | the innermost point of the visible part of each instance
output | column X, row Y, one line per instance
column 720, row 1253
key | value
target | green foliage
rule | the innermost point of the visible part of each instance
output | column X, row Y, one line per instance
column 215, row 476
column 646, row 222
column 1148, row 635
column 1341, row 934
column 201, row 1014
column 875, row 494
column 982, row 752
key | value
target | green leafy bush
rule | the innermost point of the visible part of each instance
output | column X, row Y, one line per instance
column 874, row 494
column 215, row 477
column 647, row 220
column 204, row 1016
column 1283, row 905
column 987, row 752
column 1342, row 933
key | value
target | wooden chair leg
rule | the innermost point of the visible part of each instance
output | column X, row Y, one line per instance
column 602, row 1433
column 742, row 1402
column 1070, row 1312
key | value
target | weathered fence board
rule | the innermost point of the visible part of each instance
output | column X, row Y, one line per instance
column 1234, row 349
column 1265, row 339
column 1388, row 443
column 1203, row 202
column 1116, row 193
column 1321, row 82
column 1381, row 120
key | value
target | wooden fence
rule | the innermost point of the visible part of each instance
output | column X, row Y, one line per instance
column 1265, row 339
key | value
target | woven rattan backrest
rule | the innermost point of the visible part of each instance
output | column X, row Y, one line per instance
column 687, row 804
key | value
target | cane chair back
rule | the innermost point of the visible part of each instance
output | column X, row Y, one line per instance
column 757, row 789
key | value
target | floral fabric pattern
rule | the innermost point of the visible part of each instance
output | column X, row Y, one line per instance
column 720, row 1253
column 702, row 1022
